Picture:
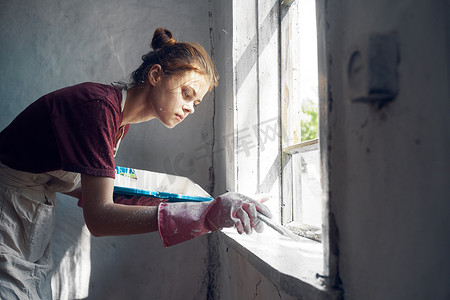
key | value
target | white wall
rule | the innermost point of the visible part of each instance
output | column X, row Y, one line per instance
column 389, row 167
column 49, row 44
column 222, row 39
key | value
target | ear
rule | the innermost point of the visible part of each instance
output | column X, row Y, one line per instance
column 154, row 74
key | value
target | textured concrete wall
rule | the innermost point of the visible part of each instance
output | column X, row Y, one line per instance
column 388, row 166
column 49, row 44
column 222, row 39
column 242, row 281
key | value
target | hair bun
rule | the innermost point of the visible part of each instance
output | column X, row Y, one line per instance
column 161, row 38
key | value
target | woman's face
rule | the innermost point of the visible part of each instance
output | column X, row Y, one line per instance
column 175, row 97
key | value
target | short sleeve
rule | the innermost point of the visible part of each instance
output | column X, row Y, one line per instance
column 85, row 137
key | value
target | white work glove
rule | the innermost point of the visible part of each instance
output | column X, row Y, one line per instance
column 179, row 222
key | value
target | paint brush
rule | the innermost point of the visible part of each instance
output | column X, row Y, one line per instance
column 280, row 229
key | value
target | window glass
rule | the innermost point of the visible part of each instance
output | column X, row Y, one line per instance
column 302, row 195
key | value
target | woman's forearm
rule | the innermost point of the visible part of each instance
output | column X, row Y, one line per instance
column 118, row 219
column 104, row 217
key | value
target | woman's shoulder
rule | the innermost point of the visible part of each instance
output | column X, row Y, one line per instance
column 86, row 96
column 91, row 90
column 87, row 92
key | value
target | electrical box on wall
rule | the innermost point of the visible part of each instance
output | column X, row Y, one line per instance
column 372, row 69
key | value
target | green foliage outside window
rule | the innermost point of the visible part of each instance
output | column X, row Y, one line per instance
column 309, row 121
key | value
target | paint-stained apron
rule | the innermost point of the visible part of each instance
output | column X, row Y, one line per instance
column 27, row 218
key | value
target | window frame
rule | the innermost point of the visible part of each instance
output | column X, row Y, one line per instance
column 291, row 206
column 242, row 40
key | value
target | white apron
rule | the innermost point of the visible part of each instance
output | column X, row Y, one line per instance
column 27, row 217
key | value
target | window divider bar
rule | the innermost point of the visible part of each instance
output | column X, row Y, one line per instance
column 302, row 147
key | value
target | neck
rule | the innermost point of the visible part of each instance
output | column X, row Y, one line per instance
column 137, row 108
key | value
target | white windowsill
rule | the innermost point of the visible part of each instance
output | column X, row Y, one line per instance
column 291, row 265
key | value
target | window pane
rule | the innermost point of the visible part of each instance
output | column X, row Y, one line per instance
column 305, row 67
column 307, row 165
column 302, row 195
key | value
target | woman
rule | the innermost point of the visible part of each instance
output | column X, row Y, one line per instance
column 66, row 142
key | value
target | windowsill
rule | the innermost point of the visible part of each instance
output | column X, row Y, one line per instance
column 291, row 265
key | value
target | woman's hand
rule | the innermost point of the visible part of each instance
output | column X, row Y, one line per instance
column 179, row 222
column 238, row 210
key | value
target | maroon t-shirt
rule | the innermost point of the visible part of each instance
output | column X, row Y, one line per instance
column 73, row 129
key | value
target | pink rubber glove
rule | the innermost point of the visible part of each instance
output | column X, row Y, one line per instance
column 179, row 222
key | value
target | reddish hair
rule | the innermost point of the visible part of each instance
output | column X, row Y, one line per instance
column 175, row 58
